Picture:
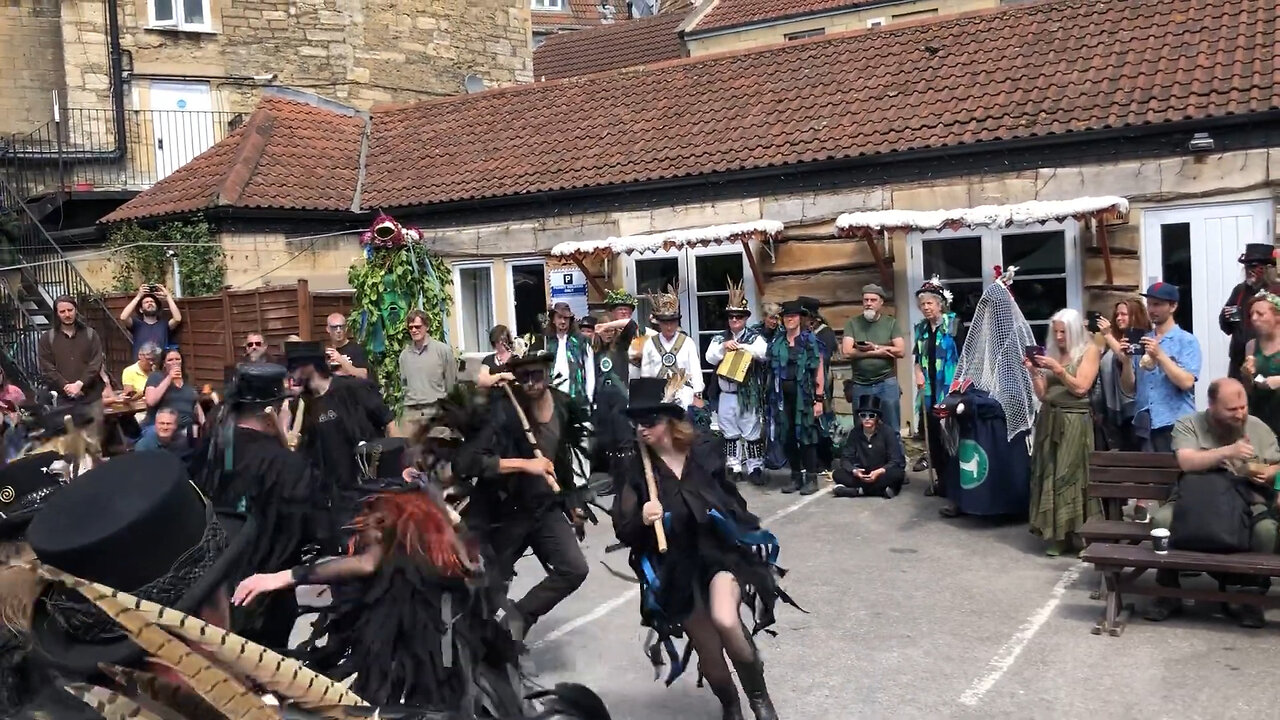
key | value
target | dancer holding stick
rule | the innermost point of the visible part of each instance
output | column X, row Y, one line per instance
column 534, row 436
column 720, row 557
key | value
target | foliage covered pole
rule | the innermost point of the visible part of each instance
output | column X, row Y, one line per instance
column 399, row 273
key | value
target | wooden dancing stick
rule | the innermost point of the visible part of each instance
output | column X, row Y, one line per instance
column 528, row 434
column 295, row 429
column 649, row 480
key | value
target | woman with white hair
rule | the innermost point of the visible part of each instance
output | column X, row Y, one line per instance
column 1062, row 376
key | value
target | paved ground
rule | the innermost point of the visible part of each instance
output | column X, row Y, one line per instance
column 913, row 616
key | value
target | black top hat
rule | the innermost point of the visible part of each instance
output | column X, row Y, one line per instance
column 810, row 304
column 137, row 524
column 381, row 462
column 1258, row 254
column 793, row 307
column 647, row 396
column 257, row 383
column 870, row 404
column 531, row 358
column 24, row 485
column 51, row 422
column 304, row 352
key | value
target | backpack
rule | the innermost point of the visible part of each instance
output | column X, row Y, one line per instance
column 1212, row 513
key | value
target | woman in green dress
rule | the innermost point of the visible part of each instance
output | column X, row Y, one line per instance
column 1261, row 370
column 1062, row 378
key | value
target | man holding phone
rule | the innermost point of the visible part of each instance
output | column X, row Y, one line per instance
column 873, row 343
column 144, row 319
column 1166, row 365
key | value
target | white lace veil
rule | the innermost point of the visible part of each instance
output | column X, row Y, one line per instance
column 992, row 355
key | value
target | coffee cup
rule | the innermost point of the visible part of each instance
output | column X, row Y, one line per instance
column 1160, row 540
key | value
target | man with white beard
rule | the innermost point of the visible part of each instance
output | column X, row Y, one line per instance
column 873, row 343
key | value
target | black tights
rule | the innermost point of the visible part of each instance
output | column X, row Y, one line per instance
column 716, row 630
column 799, row 457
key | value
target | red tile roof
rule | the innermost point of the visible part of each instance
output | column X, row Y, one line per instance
column 609, row 47
column 1019, row 72
column 287, row 154
column 735, row 13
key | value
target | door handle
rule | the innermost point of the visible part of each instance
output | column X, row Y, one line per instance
column 160, row 143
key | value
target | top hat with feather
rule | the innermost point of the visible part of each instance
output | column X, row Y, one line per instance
column 135, row 523
column 738, row 304
column 665, row 305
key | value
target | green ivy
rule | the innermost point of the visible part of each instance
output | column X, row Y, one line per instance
column 140, row 255
column 423, row 280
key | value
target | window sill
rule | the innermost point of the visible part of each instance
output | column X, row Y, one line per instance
column 181, row 30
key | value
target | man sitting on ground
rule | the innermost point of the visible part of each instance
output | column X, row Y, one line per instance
column 871, row 461
column 1224, row 436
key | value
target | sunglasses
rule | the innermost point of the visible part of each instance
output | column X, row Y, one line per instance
column 530, row 377
column 252, row 344
column 418, row 326
column 648, row 421
column 868, row 415
column 339, row 326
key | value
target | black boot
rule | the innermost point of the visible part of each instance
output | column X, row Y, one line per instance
column 756, row 477
column 730, row 705
column 797, row 482
column 809, row 483
column 751, row 675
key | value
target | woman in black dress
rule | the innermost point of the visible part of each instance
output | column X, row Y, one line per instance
column 717, row 557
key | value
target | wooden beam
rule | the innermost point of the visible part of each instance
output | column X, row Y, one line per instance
column 755, row 267
column 229, row 340
column 305, row 311
column 1101, row 226
column 886, row 276
column 591, row 279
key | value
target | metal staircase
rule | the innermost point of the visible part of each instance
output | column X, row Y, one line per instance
column 35, row 272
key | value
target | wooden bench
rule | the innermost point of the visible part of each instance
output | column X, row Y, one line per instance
column 1119, row 551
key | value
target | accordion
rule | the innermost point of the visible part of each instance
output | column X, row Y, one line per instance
column 734, row 366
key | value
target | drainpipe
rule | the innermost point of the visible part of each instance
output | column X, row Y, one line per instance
column 115, row 61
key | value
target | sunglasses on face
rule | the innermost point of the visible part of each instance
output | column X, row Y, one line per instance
column 648, row 421
column 339, row 326
column 531, row 377
column 254, row 344
column 418, row 326
column 868, row 416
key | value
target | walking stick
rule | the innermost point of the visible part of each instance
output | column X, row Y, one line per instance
column 528, row 434
column 928, row 455
column 295, row 430
column 649, row 480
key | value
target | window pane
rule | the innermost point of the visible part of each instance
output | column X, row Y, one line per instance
column 529, row 288
column 193, row 12
column 1175, row 268
column 965, row 298
column 163, row 10
column 952, row 258
column 714, row 271
column 1040, row 298
column 711, row 312
column 653, row 276
column 1037, row 253
column 475, row 295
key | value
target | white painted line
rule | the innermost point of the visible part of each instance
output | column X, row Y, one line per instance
column 1009, row 652
column 608, row 607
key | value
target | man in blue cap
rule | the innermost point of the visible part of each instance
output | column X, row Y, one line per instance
column 1166, row 367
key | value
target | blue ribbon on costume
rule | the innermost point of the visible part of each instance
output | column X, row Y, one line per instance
column 761, row 541
column 651, row 587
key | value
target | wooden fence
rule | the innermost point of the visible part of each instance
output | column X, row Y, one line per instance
column 214, row 327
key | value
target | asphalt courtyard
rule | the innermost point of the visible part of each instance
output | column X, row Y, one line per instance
column 913, row 616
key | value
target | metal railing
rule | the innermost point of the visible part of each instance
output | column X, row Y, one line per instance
column 43, row 275
column 78, row 152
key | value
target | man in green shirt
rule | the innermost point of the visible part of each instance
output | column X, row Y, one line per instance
column 1223, row 436
column 873, row 343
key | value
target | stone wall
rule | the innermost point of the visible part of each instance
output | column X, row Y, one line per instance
column 359, row 52
column 30, row 63
column 890, row 13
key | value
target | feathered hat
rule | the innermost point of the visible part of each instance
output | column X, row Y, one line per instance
column 656, row 396
column 666, row 305
column 737, row 299
column 933, row 286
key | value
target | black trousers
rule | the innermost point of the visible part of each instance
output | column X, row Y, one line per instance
column 799, row 456
column 938, row 455
column 892, row 478
column 551, row 537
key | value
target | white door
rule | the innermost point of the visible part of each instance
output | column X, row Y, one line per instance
column 1196, row 248
column 182, row 123
column 702, row 276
